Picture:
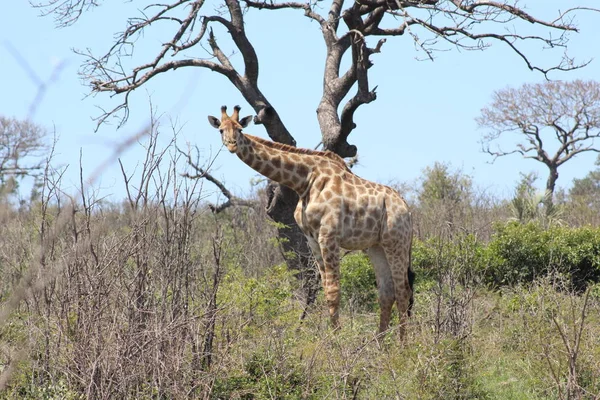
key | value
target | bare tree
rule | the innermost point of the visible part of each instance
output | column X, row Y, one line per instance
column 554, row 121
column 358, row 28
column 21, row 149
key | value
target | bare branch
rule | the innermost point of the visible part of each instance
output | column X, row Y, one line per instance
column 65, row 12
column 113, row 86
column 361, row 63
column 238, row 34
column 449, row 33
column 223, row 59
column 334, row 14
column 307, row 7
column 202, row 173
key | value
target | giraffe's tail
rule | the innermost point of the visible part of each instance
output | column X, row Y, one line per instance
column 411, row 281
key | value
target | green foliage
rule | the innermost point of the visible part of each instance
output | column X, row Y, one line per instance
column 423, row 264
column 464, row 256
column 517, row 253
column 276, row 377
column 440, row 184
column 449, row 373
column 423, row 257
column 261, row 298
column 587, row 188
column 270, row 368
column 542, row 327
column 524, row 252
column 528, row 205
column 264, row 376
column 359, row 287
column 595, row 291
column 22, row 152
column 525, row 204
column 584, row 196
column 445, row 195
column 50, row 391
column 465, row 341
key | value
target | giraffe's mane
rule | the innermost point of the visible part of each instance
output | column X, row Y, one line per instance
column 296, row 150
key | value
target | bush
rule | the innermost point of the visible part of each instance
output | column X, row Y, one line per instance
column 524, row 252
column 517, row 253
column 260, row 299
column 449, row 373
column 463, row 256
column 266, row 374
column 359, row 286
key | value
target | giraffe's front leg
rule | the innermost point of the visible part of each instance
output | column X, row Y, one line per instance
column 315, row 248
column 331, row 275
column 313, row 288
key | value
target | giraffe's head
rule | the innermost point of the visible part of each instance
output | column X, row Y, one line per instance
column 230, row 127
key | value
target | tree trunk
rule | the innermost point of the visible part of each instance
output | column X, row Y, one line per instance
column 282, row 201
column 281, row 204
column 550, row 186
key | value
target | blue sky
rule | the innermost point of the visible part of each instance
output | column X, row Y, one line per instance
column 424, row 112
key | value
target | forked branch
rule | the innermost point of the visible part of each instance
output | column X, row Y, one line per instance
column 202, row 173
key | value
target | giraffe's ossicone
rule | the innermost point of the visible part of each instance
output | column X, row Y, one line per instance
column 337, row 209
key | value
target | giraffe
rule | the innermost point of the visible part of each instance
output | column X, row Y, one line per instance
column 336, row 209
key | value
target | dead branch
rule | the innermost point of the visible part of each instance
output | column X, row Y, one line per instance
column 202, row 173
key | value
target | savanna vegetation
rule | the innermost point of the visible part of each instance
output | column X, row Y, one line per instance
column 218, row 39
column 165, row 296
column 158, row 297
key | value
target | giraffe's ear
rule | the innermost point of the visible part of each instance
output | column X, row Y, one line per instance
column 214, row 122
column 244, row 122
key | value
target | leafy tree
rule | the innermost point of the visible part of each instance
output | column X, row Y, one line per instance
column 440, row 184
column 553, row 121
column 352, row 33
column 585, row 192
column 444, row 194
column 21, row 149
column 588, row 186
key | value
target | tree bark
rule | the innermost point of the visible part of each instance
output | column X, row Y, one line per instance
column 281, row 204
column 550, row 186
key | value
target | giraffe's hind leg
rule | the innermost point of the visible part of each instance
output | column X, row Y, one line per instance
column 331, row 274
column 385, row 285
column 398, row 256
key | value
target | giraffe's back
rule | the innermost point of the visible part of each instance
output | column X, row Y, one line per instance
column 359, row 212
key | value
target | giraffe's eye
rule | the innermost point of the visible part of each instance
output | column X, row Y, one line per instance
column 221, row 130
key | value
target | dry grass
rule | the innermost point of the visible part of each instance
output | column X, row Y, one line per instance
column 159, row 298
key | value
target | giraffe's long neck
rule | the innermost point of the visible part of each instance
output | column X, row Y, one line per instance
column 291, row 170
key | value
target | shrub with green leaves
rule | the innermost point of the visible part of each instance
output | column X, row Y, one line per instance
column 524, row 252
column 261, row 298
column 464, row 256
column 266, row 374
column 359, row 288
